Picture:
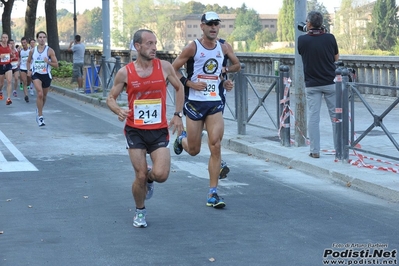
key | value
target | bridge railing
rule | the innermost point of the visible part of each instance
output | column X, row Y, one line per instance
column 269, row 108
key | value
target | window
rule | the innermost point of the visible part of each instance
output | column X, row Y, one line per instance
column 195, row 35
column 189, row 26
column 271, row 26
column 231, row 26
column 195, row 26
column 266, row 26
column 223, row 26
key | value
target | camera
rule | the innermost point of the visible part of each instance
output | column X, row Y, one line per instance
column 302, row 27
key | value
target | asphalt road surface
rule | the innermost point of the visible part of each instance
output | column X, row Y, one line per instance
column 65, row 199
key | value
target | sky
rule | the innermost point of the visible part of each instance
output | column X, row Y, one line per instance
column 261, row 6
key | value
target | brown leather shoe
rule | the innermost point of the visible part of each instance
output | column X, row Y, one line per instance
column 314, row 155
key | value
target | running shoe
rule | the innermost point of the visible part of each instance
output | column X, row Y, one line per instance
column 1, row 95
column 177, row 146
column 215, row 201
column 26, row 98
column 224, row 170
column 150, row 188
column 139, row 218
column 14, row 93
column 8, row 102
column 31, row 91
column 40, row 121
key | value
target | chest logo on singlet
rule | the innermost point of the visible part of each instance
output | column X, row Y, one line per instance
column 210, row 66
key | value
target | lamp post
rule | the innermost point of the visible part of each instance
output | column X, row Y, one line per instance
column 74, row 18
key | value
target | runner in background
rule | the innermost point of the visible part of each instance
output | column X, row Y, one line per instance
column 23, row 70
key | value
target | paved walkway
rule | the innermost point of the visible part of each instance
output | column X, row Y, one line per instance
column 377, row 176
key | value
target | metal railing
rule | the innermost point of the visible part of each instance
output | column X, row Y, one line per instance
column 348, row 94
column 271, row 103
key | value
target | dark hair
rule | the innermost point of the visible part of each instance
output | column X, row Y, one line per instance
column 30, row 40
column 77, row 38
column 23, row 39
column 138, row 35
column 37, row 34
column 315, row 18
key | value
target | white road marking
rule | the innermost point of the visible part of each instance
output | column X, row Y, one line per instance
column 22, row 165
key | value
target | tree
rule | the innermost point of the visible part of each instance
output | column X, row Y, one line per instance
column 264, row 38
column 6, row 16
column 50, row 8
column 193, row 7
column 349, row 26
column 94, row 18
column 157, row 16
column 246, row 25
column 285, row 23
column 316, row 6
column 30, row 18
column 65, row 27
column 383, row 29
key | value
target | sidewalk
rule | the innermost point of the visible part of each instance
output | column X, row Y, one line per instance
column 380, row 177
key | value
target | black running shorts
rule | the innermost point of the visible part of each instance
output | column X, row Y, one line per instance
column 148, row 140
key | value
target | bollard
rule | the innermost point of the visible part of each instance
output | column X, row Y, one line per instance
column 284, row 110
column 241, row 98
column 338, row 114
column 345, row 115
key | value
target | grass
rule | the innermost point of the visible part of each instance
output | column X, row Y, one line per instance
column 64, row 83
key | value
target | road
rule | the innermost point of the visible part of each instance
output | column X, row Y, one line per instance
column 65, row 199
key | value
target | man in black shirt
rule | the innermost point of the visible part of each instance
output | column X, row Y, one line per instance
column 319, row 51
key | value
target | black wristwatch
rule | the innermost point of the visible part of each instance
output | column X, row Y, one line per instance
column 179, row 114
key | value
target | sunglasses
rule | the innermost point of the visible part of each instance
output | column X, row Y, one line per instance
column 211, row 23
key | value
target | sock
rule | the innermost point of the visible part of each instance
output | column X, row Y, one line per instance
column 212, row 190
column 140, row 208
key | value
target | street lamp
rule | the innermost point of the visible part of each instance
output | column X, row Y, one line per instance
column 74, row 18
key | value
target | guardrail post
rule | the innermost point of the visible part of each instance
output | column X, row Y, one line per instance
column 93, row 68
column 338, row 114
column 284, row 110
column 116, row 68
column 345, row 116
column 104, row 82
column 241, row 96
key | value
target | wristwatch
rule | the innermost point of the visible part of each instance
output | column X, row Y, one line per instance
column 179, row 114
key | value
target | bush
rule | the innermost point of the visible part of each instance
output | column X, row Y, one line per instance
column 63, row 71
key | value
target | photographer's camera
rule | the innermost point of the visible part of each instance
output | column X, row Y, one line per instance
column 302, row 27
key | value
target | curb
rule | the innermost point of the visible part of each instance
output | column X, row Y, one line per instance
column 341, row 177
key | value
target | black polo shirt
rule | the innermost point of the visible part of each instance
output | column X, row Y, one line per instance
column 318, row 51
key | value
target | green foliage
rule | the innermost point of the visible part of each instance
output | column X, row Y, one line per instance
column 316, row 6
column 285, row 23
column 383, row 29
column 247, row 25
column 263, row 38
column 63, row 71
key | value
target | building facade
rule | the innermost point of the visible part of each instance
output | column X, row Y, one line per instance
column 187, row 28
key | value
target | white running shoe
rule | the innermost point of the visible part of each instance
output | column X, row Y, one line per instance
column 139, row 218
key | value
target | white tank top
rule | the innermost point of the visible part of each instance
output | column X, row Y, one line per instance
column 23, row 54
column 207, row 66
column 38, row 64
